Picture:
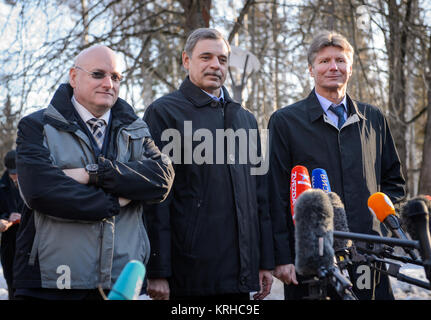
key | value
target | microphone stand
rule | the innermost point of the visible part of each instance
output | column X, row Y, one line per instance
column 317, row 286
column 385, row 251
column 394, row 271
column 377, row 239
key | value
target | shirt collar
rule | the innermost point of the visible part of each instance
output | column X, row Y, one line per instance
column 325, row 103
column 221, row 98
column 85, row 114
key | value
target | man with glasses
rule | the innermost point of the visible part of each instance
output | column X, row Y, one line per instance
column 87, row 165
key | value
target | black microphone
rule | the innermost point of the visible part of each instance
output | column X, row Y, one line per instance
column 343, row 248
column 416, row 215
column 314, row 252
column 340, row 222
column 313, row 232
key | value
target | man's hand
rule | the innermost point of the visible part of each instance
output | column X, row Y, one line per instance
column 4, row 225
column 15, row 217
column 158, row 289
column 265, row 283
column 286, row 273
column 78, row 174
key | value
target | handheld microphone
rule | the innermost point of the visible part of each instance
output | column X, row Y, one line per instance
column 129, row 283
column 313, row 232
column 382, row 207
column 299, row 182
column 319, row 180
column 416, row 214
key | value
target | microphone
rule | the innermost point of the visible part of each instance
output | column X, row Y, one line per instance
column 341, row 246
column 340, row 223
column 299, row 182
column 129, row 283
column 319, row 180
column 314, row 253
column 313, row 232
column 416, row 215
column 382, row 207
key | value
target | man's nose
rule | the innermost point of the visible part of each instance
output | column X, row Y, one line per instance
column 215, row 63
column 107, row 81
column 333, row 65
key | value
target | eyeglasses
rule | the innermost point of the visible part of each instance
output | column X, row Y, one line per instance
column 101, row 75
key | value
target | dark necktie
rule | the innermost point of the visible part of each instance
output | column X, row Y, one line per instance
column 97, row 128
column 339, row 111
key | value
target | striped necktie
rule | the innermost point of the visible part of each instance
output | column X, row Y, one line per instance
column 98, row 130
column 339, row 111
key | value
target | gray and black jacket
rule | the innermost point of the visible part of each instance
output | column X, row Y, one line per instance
column 75, row 236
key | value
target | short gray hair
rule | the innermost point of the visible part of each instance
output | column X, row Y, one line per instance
column 328, row 39
column 202, row 34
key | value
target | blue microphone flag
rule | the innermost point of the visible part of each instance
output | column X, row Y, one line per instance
column 319, row 180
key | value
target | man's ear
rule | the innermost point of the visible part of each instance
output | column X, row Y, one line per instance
column 72, row 77
column 310, row 69
column 186, row 60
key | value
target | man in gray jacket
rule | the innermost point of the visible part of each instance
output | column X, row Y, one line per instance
column 86, row 166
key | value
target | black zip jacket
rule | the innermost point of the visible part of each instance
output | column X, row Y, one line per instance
column 213, row 233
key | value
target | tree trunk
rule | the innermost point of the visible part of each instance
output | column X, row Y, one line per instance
column 197, row 14
column 425, row 177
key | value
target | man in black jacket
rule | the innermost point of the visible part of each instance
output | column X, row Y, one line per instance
column 11, row 206
column 212, row 237
column 355, row 147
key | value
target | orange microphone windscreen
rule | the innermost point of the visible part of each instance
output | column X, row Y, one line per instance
column 380, row 205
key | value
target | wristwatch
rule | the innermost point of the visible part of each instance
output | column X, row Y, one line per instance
column 92, row 170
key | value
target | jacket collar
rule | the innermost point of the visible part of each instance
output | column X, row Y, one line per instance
column 315, row 110
column 196, row 96
column 61, row 112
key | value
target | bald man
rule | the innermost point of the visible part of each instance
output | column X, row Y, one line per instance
column 87, row 166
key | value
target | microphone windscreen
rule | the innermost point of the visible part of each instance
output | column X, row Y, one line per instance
column 415, row 206
column 129, row 284
column 380, row 205
column 299, row 182
column 340, row 222
column 319, row 180
column 314, row 217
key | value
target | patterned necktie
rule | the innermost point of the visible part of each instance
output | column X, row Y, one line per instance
column 98, row 129
column 339, row 111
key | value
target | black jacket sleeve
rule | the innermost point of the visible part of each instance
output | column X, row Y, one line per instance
column 158, row 216
column 279, row 192
column 392, row 181
column 47, row 189
column 266, row 231
column 149, row 179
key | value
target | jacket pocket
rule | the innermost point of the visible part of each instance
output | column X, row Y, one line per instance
column 67, row 252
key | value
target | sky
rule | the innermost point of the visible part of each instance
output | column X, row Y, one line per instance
column 40, row 31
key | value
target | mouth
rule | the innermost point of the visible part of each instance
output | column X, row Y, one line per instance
column 214, row 75
column 106, row 93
